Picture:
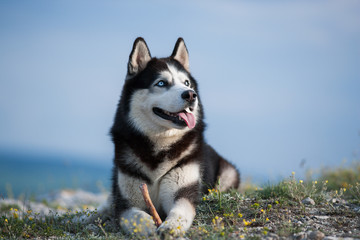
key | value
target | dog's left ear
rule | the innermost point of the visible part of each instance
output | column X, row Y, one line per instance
column 180, row 53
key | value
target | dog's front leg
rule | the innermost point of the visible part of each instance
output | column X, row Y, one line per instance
column 179, row 193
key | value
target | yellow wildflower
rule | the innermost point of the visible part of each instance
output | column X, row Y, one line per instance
column 6, row 221
column 301, row 181
column 240, row 215
column 246, row 223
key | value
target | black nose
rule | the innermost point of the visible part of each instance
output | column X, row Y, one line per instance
column 189, row 96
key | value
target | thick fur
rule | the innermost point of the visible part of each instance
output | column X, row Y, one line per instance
column 171, row 158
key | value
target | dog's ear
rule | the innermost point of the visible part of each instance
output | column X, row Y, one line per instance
column 180, row 53
column 139, row 57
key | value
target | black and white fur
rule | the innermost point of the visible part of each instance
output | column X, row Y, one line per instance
column 153, row 144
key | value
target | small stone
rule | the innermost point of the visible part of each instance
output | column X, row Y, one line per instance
column 272, row 236
column 316, row 235
column 322, row 217
column 308, row 201
column 313, row 211
column 299, row 236
column 331, row 238
column 338, row 200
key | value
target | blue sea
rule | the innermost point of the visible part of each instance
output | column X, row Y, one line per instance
column 30, row 174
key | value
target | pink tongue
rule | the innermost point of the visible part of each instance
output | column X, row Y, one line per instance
column 188, row 118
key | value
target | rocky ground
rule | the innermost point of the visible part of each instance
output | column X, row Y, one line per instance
column 339, row 219
column 238, row 216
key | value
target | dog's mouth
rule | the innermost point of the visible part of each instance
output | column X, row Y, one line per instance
column 183, row 118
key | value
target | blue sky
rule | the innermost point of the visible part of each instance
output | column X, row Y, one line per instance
column 280, row 80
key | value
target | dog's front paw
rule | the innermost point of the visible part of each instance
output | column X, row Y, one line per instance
column 171, row 227
column 138, row 223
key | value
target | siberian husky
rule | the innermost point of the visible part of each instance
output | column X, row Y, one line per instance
column 158, row 133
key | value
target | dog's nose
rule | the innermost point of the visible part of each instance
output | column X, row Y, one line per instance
column 189, row 96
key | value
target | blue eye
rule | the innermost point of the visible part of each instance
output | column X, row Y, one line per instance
column 161, row 84
column 187, row 83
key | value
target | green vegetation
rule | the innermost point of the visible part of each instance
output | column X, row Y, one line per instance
column 254, row 214
column 344, row 178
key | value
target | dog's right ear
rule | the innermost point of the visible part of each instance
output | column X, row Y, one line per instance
column 139, row 57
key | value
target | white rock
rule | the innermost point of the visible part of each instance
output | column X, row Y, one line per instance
column 316, row 235
column 308, row 201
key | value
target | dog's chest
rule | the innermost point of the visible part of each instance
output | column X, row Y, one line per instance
column 155, row 166
column 129, row 183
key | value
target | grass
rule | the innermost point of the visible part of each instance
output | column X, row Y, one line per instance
column 253, row 214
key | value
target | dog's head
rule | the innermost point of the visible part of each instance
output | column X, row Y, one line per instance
column 159, row 93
